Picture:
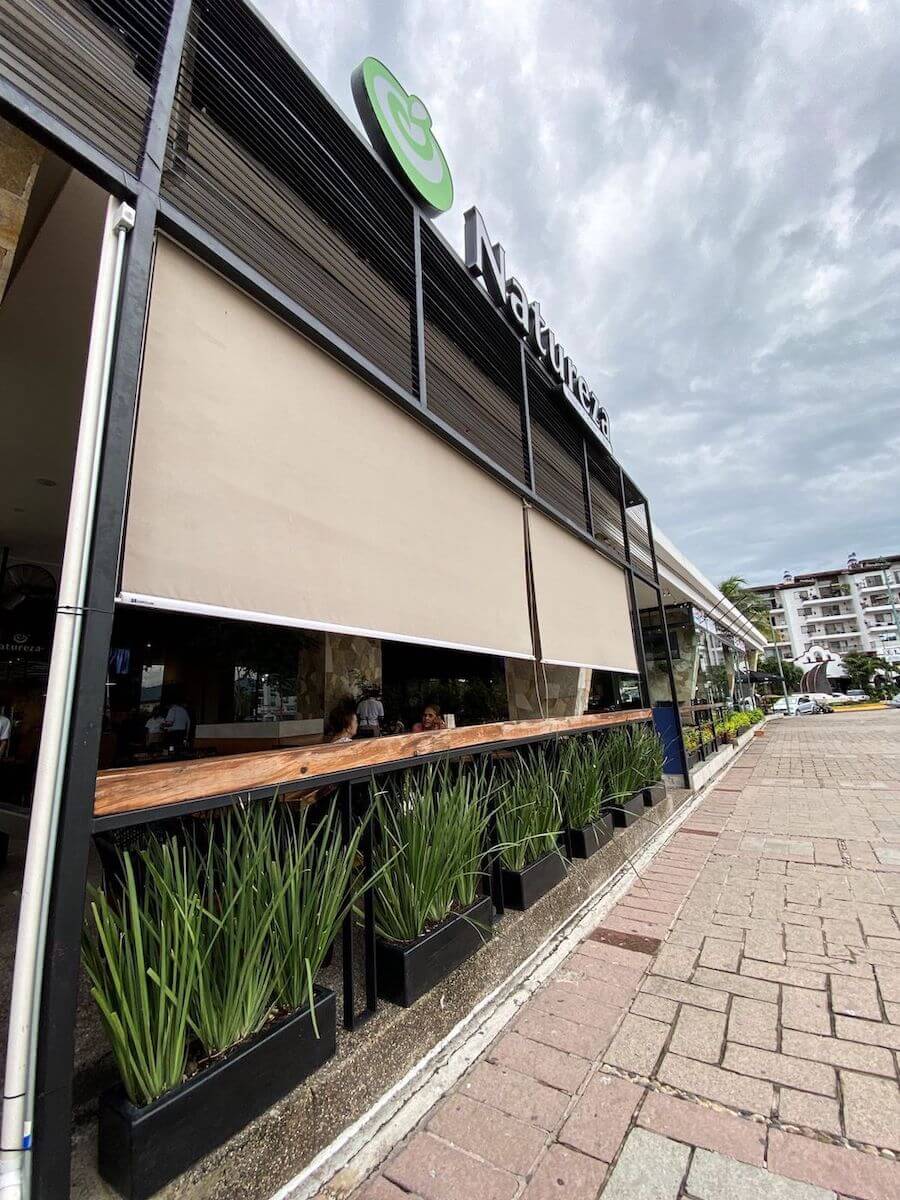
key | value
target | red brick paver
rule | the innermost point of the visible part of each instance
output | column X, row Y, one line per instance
column 737, row 1012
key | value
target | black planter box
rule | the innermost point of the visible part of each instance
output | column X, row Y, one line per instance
column 141, row 1149
column 408, row 970
column 587, row 841
column 693, row 757
column 654, row 793
column 521, row 889
column 626, row 812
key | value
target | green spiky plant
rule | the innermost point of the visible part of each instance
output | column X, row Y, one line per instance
column 648, row 746
column 139, row 949
column 528, row 813
column 312, row 884
column 580, row 781
column 433, row 834
column 632, row 759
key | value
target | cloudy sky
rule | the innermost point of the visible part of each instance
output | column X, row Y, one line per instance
column 705, row 194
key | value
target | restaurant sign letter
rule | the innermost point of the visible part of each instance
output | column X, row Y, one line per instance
column 488, row 260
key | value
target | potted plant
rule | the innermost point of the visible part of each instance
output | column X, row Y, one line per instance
column 429, row 916
column 581, row 793
column 529, row 825
column 623, row 777
column 651, row 754
column 204, row 974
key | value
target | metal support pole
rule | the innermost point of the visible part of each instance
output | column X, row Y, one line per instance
column 670, row 670
column 55, row 1060
column 526, row 421
column 418, row 314
column 637, row 632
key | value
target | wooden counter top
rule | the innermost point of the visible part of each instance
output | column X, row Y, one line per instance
column 158, row 785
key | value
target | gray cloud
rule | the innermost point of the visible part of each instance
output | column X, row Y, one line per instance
column 706, row 196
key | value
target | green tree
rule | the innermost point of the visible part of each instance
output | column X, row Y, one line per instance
column 792, row 674
column 751, row 605
column 860, row 669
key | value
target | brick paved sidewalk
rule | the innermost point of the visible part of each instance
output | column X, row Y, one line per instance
column 732, row 1029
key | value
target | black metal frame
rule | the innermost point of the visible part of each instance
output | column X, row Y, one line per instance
column 154, row 214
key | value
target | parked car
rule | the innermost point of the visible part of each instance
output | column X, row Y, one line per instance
column 839, row 698
column 804, row 703
column 894, row 701
column 856, row 694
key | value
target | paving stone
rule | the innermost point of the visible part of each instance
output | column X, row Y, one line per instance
column 615, row 954
column 655, row 1007
column 737, row 985
column 753, row 1023
column 698, row 1033
column 515, row 1094
column 436, row 1171
column 563, row 1001
column 380, row 1188
column 601, row 968
column 712, row 1177
column 613, row 995
column 650, row 1167
column 873, row 1033
column 725, row 1087
column 888, row 983
column 554, row 1030
column 686, row 993
column 803, row 939
column 876, row 1060
column 675, row 962
column 544, row 1063
column 855, row 997
column 804, row 1009
column 779, row 1068
column 720, row 955
column 564, row 1174
column 601, row 1116
column 795, row 976
column 811, row 1112
column 688, row 1121
column 848, row 1171
column 493, row 1135
column 637, row 1044
column 871, row 1109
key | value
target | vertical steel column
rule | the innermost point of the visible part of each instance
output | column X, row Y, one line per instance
column 55, row 1064
column 419, row 316
column 685, row 770
column 636, row 630
column 586, row 484
column 526, row 420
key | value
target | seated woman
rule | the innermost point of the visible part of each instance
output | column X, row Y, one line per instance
column 431, row 720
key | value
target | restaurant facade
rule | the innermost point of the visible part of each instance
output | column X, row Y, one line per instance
column 275, row 449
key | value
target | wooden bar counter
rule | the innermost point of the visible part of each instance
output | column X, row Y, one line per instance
column 160, row 785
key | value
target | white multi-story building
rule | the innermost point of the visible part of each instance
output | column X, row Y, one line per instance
column 851, row 609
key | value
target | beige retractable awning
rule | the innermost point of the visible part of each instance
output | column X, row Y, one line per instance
column 581, row 600
column 272, row 484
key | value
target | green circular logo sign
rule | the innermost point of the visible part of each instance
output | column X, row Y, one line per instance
column 399, row 128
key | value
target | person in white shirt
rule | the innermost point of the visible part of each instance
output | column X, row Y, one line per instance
column 370, row 712
column 5, row 734
column 178, row 726
column 155, row 729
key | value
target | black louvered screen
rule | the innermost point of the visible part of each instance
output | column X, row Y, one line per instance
column 605, row 507
column 557, row 447
column 93, row 65
column 639, row 540
column 262, row 159
column 473, row 362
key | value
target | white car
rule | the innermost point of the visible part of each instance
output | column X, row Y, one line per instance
column 803, row 703
column 894, row 701
column 839, row 698
column 856, row 694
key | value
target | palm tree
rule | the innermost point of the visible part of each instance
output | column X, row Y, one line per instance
column 751, row 605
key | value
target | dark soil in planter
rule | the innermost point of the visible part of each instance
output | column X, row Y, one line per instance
column 626, row 812
column 407, row 970
column 587, row 841
column 521, row 889
column 654, row 793
column 141, row 1149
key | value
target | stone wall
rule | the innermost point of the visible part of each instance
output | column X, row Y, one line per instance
column 544, row 690
column 20, row 158
column 332, row 666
